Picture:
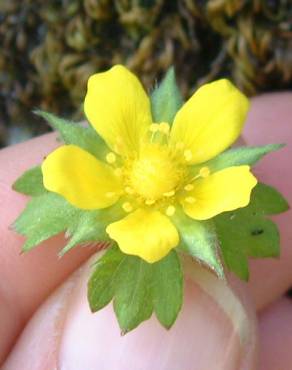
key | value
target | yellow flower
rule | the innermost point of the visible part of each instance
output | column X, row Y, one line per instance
column 148, row 166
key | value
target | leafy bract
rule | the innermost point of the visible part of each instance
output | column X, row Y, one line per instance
column 90, row 226
column 199, row 240
column 30, row 183
column 167, row 292
column 87, row 228
column 166, row 99
column 76, row 134
column 247, row 232
column 132, row 293
column 238, row 157
column 137, row 288
column 44, row 216
column 50, row 214
column 268, row 200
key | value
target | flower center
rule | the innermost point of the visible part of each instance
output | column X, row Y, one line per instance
column 154, row 174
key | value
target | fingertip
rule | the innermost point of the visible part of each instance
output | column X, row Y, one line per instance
column 30, row 277
column 68, row 335
column 276, row 336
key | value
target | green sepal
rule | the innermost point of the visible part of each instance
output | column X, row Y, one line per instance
column 30, row 183
column 88, row 228
column 50, row 214
column 137, row 288
column 91, row 226
column 75, row 134
column 198, row 239
column 237, row 157
column 166, row 99
column 247, row 232
column 44, row 216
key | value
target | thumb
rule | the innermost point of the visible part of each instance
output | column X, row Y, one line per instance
column 215, row 330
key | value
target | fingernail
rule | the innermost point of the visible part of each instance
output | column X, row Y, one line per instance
column 208, row 334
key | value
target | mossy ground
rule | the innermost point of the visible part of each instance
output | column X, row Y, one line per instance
column 48, row 50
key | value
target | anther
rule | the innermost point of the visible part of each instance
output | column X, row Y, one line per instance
column 164, row 128
column 111, row 157
column 169, row 194
column 188, row 155
column 127, row 207
column 118, row 172
column 118, row 145
column 189, row 187
column 170, row 211
column 129, row 190
column 154, row 127
column 204, row 172
column 179, row 145
column 149, row 202
column 190, row 200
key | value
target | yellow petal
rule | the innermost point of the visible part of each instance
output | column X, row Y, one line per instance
column 223, row 191
column 118, row 108
column 80, row 178
column 147, row 234
column 210, row 121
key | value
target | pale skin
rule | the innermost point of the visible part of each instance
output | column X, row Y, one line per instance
column 61, row 333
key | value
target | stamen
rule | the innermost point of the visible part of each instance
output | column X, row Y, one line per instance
column 188, row 155
column 169, row 194
column 179, row 145
column 190, row 200
column 164, row 128
column 154, row 127
column 170, row 211
column 149, row 202
column 111, row 157
column 189, row 187
column 119, row 145
column 204, row 172
column 118, row 172
column 127, row 207
column 129, row 190
column 110, row 194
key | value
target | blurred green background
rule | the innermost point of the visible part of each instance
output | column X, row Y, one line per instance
column 49, row 48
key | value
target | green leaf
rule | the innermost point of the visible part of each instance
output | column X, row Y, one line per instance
column 137, row 288
column 167, row 289
column 101, row 285
column 231, row 235
column 44, row 216
column 127, row 280
column 247, row 232
column 30, row 183
column 73, row 133
column 166, row 99
column 235, row 258
column 238, row 157
column 267, row 200
column 198, row 239
column 264, row 239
